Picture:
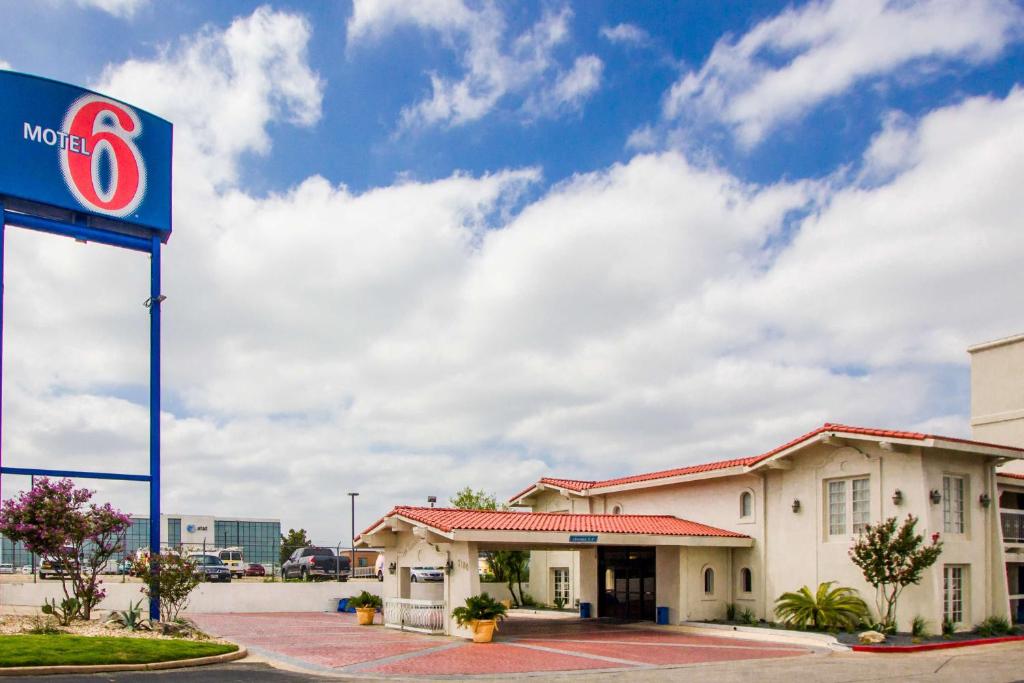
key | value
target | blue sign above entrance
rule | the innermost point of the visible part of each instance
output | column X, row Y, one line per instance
column 65, row 147
column 582, row 539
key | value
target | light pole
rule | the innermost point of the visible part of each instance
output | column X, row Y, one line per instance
column 352, row 566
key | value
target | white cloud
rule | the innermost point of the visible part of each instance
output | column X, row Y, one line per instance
column 411, row 339
column 5, row 65
column 570, row 90
column 124, row 9
column 494, row 66
column 222, row 89
column 790, row 63
column 629, row 34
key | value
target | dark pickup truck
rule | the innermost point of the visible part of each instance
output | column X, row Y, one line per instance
column 315, row 563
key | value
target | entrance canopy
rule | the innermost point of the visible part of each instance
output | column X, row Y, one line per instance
column 546, row 530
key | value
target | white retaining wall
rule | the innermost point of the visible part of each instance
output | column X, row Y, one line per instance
column 236, row 596
column 208, row 597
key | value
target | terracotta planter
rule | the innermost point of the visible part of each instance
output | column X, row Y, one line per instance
column 483, row 630
column 365, row 615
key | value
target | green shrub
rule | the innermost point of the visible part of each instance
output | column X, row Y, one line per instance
column 747, row 616
column 730, row 612
column 829, row 607
column 919, row 628
column 994, row 626
column 44, row 625
column 366, row 599
column 560, row 603
column 67, row 610
column 479, row 608
column 948, row 627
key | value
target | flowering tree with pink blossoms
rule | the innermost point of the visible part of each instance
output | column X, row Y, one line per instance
column 56, row 521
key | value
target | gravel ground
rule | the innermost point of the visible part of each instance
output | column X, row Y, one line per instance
column 13, row 624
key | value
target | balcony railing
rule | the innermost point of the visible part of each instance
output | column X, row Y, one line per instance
column 1013, row 525
column 422, row 616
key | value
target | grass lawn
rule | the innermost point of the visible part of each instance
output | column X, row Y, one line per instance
column 44, row 650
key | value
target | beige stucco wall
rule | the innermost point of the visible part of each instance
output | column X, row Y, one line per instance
column 715, row 502
column 791, row 550
column 800, row 552
column 997, row 393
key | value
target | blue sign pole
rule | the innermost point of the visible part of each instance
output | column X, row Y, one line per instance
column 3, row 240
column 155, row 298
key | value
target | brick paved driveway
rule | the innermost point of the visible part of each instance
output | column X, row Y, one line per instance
column 333, row 642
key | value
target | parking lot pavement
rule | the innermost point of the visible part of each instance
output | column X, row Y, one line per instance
column 331, row 643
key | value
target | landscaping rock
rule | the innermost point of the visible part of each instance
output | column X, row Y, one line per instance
column 871, row 638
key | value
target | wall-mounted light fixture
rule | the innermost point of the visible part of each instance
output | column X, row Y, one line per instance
column 897, row 497
column 448, row 567
column 985, row 500
column 796, row 505
column 431, row 500
column 935, row 496
column 392, row 568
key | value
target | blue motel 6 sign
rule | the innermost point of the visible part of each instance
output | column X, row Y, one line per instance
column 79, row 164
column 66, row 147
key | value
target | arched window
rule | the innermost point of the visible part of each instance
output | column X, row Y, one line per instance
column 616, row 509
column 709, row 581
column 746, row 580
column 746, row 504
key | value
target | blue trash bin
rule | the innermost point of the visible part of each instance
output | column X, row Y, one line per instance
column 343, row 605
column 662, row 617
column 584, row 610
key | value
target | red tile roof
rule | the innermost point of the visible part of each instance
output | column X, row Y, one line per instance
column 1012, row 475
column 579, row 485
column 450, row 519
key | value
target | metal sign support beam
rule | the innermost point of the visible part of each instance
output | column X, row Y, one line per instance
column 151, row 246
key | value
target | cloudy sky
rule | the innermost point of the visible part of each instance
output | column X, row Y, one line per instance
column 423, row 245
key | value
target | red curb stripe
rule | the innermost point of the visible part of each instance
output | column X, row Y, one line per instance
column 934, row 646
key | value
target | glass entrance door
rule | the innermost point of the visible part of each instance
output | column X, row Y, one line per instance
column 626, row 578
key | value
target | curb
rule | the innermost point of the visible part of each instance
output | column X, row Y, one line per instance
column 925, row 647
column 109, row 668
column 770, row 635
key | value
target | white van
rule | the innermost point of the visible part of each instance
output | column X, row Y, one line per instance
column 232, row 557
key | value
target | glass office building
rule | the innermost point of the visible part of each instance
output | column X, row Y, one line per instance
column 259, row 539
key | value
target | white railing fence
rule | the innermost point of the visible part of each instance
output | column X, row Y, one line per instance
column 1013, row 525
column 422, row 616
column 364, row 573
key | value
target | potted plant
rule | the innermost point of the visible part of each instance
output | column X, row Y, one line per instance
column 482, row 614
column 366, row 605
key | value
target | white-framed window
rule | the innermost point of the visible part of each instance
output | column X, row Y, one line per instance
column 709, row 581
column 746, row 580
column 953, row 582
column 560, row 583
column 849, row 500
column 953, row 494
column 746, row 504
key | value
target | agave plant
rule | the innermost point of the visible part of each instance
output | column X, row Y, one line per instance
column 479, row 608
column 838, row 607
column 131, row 619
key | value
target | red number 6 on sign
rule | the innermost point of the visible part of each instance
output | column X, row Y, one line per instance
column 108, row 129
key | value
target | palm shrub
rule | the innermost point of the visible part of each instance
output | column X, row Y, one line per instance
column 366, row 599
column 919, row 628
column 479, row 608
column 829, row 607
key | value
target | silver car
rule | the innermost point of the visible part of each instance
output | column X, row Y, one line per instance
column 426, row 574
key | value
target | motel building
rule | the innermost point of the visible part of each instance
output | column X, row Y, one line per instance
column 684, row 543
